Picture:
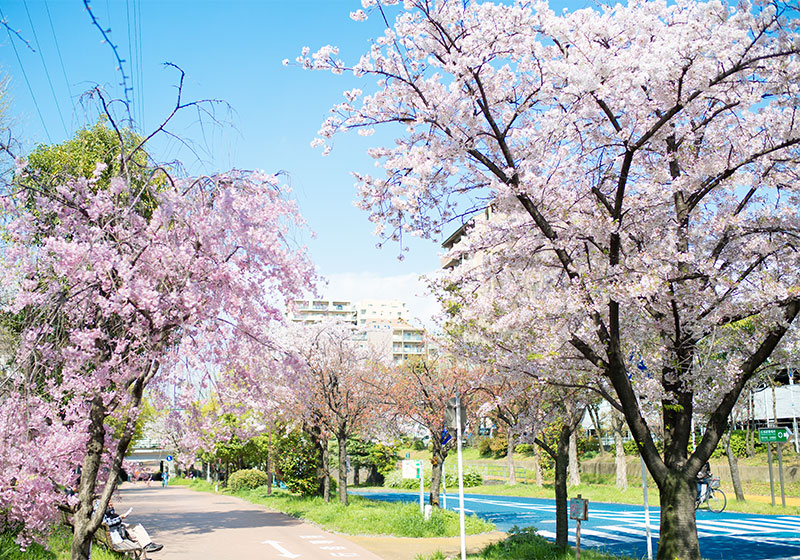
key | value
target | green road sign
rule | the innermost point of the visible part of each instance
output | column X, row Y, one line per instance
column 769, row 435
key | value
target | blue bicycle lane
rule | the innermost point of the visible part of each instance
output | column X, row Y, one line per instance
column 620, row 529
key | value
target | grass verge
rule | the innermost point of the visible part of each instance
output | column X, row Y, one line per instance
column 524, row 544
column 361, row 517
column 58, row 548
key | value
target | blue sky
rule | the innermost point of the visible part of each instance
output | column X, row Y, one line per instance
column 230, row 50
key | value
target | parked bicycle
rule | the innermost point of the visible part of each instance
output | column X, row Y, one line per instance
column 713, row 496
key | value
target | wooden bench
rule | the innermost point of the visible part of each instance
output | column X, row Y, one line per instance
column 126, row 547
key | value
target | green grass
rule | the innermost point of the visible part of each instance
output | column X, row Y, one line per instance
column 58, row 548
column 524, row 544
column 361, row 517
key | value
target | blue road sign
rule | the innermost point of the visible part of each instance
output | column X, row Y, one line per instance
column 446, row 437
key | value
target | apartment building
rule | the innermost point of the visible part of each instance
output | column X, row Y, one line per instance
column 316, row 310
column 383, row 323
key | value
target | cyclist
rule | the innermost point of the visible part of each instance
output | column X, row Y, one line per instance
column 703, row 479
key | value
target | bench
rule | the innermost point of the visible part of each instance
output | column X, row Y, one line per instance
column 125, row 546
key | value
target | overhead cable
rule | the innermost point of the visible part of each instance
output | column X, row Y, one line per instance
column 44, row 65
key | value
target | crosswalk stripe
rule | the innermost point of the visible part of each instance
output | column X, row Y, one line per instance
column 607, row 535
column 632, row 531
column 732, row 527
column 787, row 524
column 571, row 538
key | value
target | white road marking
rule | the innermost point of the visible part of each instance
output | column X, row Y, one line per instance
column 281, row 551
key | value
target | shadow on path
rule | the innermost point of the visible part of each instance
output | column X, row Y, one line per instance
column 179, row 513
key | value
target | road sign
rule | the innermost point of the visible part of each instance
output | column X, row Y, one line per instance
column 769, row 435
column 579, row 508
column 450, row 416
column 446, row 437
column 169, row 457
column 412, row 468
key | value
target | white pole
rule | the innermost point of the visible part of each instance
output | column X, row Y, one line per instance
column 444, row 486
column 794, row 415
column 460, row 481
column 767, row 418
column 421, row 487
column 646, row 512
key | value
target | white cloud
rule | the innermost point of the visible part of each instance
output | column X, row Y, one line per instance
column 409, row 288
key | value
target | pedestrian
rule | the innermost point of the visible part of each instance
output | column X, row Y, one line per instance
column 119, row 531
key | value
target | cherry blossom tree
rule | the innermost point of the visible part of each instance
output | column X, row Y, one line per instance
column 641, row 160
column 564, row 411
column 113, row 281
column 506, row 400
column 335, row 366
column 538, row 410
column 417, row 392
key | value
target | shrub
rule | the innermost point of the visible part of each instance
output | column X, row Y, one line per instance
column 395, row 480
column 384, row 457
column 418, row 445
column 484, row 447
column 588, row 445
column 499, row 446
column 524, row 448
column 471, row 479
column 297, row 460
column 247, row 479
column 738, row 445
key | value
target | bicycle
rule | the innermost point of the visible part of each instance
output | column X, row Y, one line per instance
column 713, row 496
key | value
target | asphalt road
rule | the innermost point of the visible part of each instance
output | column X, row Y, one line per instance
column 621, row 529
column 198, row 525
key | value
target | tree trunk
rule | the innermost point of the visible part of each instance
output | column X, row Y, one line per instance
column 678, row 539
column 619, row 459
column 92, row 502
column 512, row 471
column 269, row 462
column 342, row 440
column 574, row 470
column 598, row 429
column 733, row 463
column 537, row 467
column 356, row 474
column 750, row 435
column 84, row 524
column 326, row 471
column 438, row 455
column 562, row 463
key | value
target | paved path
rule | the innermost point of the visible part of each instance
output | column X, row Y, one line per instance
column 620, row 528
column 202, row 526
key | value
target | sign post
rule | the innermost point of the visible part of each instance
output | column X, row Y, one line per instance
column 646, row 512
column 778, row 436
column 579, row 511
column 412, row 468
column 455, row 417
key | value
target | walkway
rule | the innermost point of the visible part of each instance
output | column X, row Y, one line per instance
column 194, row 525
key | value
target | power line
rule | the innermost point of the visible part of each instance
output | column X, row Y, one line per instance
column 130, row 39
column 25, row 74
column 140, row 65
column 44, row 65
column 60, row 58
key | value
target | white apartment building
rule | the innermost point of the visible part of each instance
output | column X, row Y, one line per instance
column 315, row 310
column 384, row 323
